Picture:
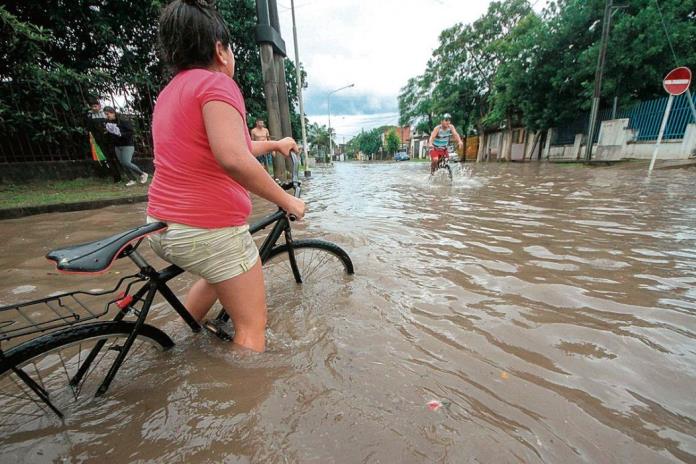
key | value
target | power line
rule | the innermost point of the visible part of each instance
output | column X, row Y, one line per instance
column 664, row 27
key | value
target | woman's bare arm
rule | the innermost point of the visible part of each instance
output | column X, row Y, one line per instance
column 261, row 147
column 225, row 129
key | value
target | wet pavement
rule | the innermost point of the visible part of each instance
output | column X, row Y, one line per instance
column 526, row 313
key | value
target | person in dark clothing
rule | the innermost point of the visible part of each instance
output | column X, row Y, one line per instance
column 95, row 122
column 121, row 131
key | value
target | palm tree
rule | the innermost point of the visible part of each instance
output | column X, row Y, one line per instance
column 318, row 138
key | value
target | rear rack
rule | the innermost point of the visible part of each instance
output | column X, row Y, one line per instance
column 63, row 310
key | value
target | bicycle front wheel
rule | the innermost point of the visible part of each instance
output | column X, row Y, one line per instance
column 448, row 168
column 314, row 261
column 45, row 380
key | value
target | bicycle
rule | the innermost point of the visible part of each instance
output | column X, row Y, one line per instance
column 443, row 164
column 41, row 376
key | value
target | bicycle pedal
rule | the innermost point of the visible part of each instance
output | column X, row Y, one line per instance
column 220, row 329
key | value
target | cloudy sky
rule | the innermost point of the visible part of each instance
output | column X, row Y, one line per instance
column 375, row 44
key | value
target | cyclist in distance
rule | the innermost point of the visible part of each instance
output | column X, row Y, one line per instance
column 440, row 139
column 205, row 168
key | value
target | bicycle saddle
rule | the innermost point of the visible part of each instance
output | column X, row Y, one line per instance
column 97, row 256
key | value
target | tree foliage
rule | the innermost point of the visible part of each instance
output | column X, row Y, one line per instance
column 367, row 142
column 318, row 137
column 515, row 66
column 392, row 142
column 54, row 54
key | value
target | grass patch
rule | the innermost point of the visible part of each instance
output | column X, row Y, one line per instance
column 65, row 191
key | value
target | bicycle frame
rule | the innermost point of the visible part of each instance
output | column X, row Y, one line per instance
column 156, row 282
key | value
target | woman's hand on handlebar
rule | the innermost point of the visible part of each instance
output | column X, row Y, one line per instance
column 295, row 207
column 286, row 145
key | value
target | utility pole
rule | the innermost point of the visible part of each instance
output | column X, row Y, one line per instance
column 272, row 51
column 299, row 92
column 599, row 74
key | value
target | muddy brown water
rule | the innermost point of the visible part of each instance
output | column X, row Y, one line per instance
column 551, row 309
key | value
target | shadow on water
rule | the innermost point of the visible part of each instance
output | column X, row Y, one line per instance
column 550, row 309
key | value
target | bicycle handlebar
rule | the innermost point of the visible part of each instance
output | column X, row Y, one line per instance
column 295, row 182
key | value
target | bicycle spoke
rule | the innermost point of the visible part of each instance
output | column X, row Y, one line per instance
column 67, row 375
column 323, row 261
column 94, row 366
column 29, row 396
column 38, row 374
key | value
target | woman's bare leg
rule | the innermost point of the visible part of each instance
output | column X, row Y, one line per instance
column 200, row 298
column 244, row 299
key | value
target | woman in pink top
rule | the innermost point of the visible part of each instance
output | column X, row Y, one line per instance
column 205, row 166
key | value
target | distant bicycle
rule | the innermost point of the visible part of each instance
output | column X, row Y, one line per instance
column 442, row 164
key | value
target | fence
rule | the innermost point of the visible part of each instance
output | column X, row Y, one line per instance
column 644, row 118
column 57, row 132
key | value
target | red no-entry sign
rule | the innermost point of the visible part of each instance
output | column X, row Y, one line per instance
column 677, row 81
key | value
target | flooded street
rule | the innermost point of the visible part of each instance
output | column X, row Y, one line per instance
column 550, row 310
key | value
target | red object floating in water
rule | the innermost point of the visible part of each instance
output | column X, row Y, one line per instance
column 434, row 405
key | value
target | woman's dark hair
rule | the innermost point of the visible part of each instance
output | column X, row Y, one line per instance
column 188, row 32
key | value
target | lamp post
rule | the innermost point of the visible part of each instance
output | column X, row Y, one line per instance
column 331, row 148
column 299, row 90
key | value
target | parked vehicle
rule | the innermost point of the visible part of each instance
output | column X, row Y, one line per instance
column 401, row 156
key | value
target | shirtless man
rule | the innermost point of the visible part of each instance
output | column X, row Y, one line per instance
column 261, row 133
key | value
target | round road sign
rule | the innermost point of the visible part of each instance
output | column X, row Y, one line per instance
column 677, row 81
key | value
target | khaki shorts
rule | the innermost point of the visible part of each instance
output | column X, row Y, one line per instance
column 214, row 254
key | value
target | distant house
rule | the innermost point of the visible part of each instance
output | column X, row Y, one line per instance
column 418, row 145
column 404, row 134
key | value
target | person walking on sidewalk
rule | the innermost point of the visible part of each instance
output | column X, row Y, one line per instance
column 95, row 122
column 121, row 131
column 261, row 134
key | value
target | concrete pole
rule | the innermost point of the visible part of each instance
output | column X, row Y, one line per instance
column 270, row 86
column 299, row 91
column 284, row 102
column 599, row 74
column 330, row 141
column 691, row 103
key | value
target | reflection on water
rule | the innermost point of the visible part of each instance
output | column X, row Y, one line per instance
column 550, row 309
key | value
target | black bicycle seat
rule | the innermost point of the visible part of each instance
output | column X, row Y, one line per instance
column 97, row 256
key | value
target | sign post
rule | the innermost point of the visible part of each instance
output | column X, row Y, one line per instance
column 675, row 83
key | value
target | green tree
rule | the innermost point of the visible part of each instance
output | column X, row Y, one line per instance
column 513, row 66
column 392, row 142
column 55, row 53
column 370, row 142
column 318, row 137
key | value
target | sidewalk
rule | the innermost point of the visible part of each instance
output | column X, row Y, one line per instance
column 54, row 196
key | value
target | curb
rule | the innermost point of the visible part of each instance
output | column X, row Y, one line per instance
column 14, row 213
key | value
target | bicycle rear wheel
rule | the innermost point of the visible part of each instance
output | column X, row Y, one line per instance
column 65, row 370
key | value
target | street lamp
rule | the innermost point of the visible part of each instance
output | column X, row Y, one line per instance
column 331, row 148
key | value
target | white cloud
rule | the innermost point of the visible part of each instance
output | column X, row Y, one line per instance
column 375, row 44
